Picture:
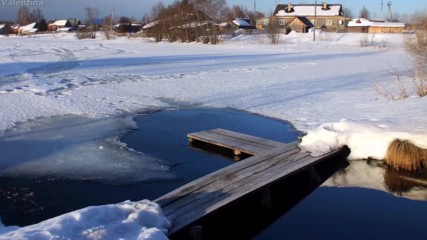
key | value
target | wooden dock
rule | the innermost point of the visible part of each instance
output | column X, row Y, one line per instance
column 273, row 161
column 238, row 142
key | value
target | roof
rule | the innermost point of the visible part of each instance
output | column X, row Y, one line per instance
column 28, row 27
column 304, row 20
column 362, row 22
column 151, row 24
column 242, row 22
column 60, row 22
column 308, row 10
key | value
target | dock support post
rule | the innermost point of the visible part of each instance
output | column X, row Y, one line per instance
column 237, row 152
column 196, row 232
column 266, row 198
column 313, row 174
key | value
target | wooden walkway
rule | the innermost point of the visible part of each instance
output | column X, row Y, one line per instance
column 197, row 199
column 238, row 142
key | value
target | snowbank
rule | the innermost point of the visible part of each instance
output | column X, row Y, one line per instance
column 365, row 139
column 141, row 220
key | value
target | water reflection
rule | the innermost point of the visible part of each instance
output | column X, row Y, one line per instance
column 376, row 175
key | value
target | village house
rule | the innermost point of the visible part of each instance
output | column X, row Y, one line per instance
column 59, row 25
column 27, row 29
column 241, row 25
column 302, row 17
column 5, row 29
column 369, row 26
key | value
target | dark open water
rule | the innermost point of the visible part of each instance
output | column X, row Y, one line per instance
column 327, row 213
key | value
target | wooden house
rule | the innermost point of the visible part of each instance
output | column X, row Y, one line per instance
column 299, row 24
column 328, row 17
column 27, row 29
column 59, row 24
column 369, row 26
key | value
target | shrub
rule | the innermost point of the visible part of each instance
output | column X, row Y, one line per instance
column 417, row 47
column 403, row 154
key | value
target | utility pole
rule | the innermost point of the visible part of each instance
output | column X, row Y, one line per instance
column 112, row 17
column 390, row 16
column 315, row 20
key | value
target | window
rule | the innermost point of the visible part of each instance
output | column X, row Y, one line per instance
column 328, row 22
column 314, row 21
column 281, row 22
column 265, row 21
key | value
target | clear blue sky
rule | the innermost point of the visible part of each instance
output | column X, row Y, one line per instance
column 61, row 9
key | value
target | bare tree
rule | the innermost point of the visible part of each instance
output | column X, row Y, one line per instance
column 91, row 15
column 364, row 13
column 273, row 30
column 156, row 10
column 212, row 8
column 90, row 31
column 417, row 47
column 23, row 16
column 208, row 12
column 37, row 15
column 348, row 13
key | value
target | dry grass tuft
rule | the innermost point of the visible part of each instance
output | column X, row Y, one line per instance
column 402, row 154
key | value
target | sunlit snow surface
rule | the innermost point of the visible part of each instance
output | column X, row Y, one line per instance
column 127, row 220
column 314, row 85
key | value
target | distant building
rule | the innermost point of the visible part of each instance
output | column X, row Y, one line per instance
column 27, row 29
column 243, row 23
column 369, row 26
column 301, row 17
column 5, row 29
column 59, row 24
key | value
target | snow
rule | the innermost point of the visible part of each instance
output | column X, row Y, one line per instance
column 127, row 220
column 362, row 22
column 242, row 22
column 311, row 11
column 28, row 27
column 328, row 89
column 60, row 23
column 356, row 134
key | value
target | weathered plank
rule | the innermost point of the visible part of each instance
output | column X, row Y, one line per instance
column 272, row 162
column 238, row 142
column 227, row 180
column 231, row 187
column 208, row 179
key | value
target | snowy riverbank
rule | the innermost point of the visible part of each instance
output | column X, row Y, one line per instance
column 328, row 89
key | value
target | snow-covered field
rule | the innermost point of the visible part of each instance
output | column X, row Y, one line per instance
column 329, row 89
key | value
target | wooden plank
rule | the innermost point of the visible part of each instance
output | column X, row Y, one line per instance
column 219, row 187
column 214, row 200
column 203, row 181
column 226, row 180
column 238, row 142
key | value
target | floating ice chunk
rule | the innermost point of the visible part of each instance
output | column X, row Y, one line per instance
column 69, row 147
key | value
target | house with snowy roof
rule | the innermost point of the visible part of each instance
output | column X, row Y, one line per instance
column 59, row 24
column 370, row 26
column 242, row 23
column 27, row 29
column 301, row 17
